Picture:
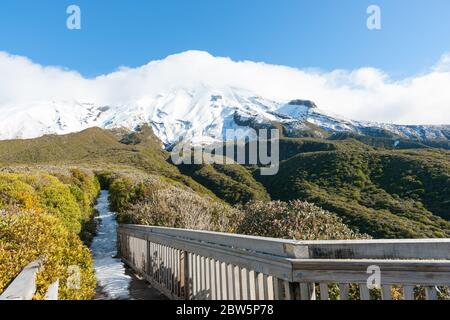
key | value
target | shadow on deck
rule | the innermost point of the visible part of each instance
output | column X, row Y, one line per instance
column 140, row 289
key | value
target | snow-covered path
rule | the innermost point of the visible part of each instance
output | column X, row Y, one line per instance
column 114, row 280
column 111, row 273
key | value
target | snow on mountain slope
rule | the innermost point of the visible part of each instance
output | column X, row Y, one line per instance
column 202, row 115
column 183, row 100
column 307, row 111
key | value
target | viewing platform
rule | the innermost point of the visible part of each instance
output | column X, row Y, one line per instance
column 200, row 265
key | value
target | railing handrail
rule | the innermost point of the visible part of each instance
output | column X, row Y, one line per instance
column 191, row 233
column 421, row 249
column 210, row 265
column 23, row 287
column 277, row 247
column 411, row 272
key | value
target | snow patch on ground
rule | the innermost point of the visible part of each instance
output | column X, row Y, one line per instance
column 110, row 271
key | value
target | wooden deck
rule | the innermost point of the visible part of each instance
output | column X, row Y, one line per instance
column 187, row 264
column 197, row 265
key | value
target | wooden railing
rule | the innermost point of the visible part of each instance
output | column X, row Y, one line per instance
column 24, row 285
column 185, row 264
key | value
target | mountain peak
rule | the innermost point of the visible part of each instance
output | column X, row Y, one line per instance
column 298, row 109
column 305, row 103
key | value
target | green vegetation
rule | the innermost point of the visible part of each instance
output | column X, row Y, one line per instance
column 69, row 198
column 42, row 215
column 151, row 201
column 385, row 142
column 26, row 235
column 232, row 183
column 387, row 194
column 96, row 148
column 293, row 220
column 340, row 188
column 382, row 192
column 293, row 146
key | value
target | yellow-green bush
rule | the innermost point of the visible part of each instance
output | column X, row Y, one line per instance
column 56, row 199
column 84, row 187
column 26, row 235
column 14, row 192
column 121, row 193
column 41, row 215
column 66, row 196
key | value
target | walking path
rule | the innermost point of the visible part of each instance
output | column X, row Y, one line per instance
column 114, row 280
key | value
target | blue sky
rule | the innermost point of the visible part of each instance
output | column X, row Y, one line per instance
column 325, row 34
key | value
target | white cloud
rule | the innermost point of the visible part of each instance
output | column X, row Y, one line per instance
column 444, row 64
column 362, row 94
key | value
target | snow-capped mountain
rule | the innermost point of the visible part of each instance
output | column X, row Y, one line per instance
column 176, row 106
column 204, row 114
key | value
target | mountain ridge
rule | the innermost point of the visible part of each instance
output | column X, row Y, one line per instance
column 196, row 96
column 206, row 117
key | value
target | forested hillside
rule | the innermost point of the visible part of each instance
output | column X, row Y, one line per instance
column 325, row 189
column 388, row 194
column 48, row 188
column 382, row 192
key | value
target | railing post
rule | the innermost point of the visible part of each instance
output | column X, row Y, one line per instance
column 119, row 243
column 289, row 291
column 184, row 275
column 52, row 291
column 307, row 291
